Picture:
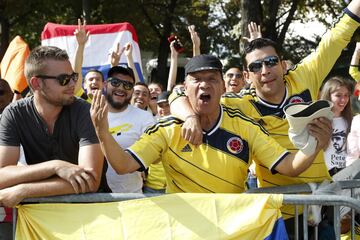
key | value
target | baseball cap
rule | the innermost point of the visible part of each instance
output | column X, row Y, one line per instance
column 163, row 97
column 122, row 70
column 203, row 62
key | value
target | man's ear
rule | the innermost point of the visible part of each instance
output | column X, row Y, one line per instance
column 246, row 76
column 35, row 83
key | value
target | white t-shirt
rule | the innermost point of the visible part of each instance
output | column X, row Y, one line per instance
column 126, row 127
column 335, row 154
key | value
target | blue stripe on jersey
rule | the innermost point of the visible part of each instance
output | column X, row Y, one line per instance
column 220, row 140
column 264, row 110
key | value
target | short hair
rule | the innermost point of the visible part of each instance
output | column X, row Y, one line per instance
column 96, row 71
column 35, row 63
column 159, row 85
column 259, row 43
column 121, row 70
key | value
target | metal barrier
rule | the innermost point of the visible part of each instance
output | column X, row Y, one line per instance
column 292, row 199
column 306, row 200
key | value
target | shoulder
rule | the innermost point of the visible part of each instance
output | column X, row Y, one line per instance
column 235, row 114
column 165, row 122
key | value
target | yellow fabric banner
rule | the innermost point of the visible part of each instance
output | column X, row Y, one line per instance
column 171, row 216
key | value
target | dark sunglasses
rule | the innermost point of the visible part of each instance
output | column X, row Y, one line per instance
column 115, row 82
column 257, row 65
column 231, row 75
column 63, row 79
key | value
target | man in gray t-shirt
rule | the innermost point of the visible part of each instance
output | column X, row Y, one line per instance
column 60, row 145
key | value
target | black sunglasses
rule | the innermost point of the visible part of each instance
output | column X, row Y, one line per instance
column 115, row 82
column 63, row 79
column 257, row 65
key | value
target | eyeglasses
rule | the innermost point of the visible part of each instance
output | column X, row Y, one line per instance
column 231, row 75
column 115, row 82
column 257, row 65
column 63, row 79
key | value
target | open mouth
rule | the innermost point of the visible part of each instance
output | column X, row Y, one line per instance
column 205, row 97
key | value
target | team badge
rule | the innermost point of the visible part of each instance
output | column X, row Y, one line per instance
column 235, row 145
column 296, row 99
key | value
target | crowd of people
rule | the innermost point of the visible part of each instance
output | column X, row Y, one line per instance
column 113, row 133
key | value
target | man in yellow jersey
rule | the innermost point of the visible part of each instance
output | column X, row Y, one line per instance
column 230, row 140
column 273, row 87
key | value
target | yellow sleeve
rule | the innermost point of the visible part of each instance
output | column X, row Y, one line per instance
column 315, row 67
column 150, row 147
column 265, row 150
column 354, row 73
column 80, row 92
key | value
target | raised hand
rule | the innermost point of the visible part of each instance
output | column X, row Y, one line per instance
column 80, row 33
column 128, row 49
column 195, row 40
column 321, row 129
column 254, row 30
column 115, row 55
column 99, row 112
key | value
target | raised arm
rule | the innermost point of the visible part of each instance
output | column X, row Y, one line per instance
column 354, row 64
column 115, row 55
column 195, row 40
column 173, row 67
column 130, row 60
column 81, row 37
column 121, row 161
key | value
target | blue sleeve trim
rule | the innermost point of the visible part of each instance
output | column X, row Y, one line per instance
column 142, row 167
column 352, row 15
column 273, row 171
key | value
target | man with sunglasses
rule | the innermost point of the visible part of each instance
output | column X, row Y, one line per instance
column 126, row 123
column 273, row 87
column 231, row 140
column 62, row 152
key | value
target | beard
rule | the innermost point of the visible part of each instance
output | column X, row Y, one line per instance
column 118, row 105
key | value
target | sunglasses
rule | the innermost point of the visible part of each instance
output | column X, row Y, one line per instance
column 231, row 75
column 63, row 79
column 257, row 65
column 115, row 82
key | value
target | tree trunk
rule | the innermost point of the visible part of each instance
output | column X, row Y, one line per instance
column 164, row 48
column 250, row 12
column 5, row 32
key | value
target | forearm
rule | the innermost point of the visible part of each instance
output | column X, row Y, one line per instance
column 172, row 74
column 196, row 50
column 296, row 163
column 12, row 175
column 79, row 55
column 181, row 108
column 48, row 187
column 121, row 161
column 131, row 64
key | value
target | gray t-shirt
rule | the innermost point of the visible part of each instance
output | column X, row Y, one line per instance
column 20, row 123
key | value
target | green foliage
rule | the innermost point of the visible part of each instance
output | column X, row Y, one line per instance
column 217, row 21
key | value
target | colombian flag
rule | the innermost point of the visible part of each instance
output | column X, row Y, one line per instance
column 102, row 41
column 170, row 216
column 12, row 64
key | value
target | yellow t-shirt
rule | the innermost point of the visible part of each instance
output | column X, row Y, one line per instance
column 219, row 164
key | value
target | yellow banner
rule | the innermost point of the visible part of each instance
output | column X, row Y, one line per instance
column 171, row 216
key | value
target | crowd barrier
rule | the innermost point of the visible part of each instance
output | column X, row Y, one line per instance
column 292, row 199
